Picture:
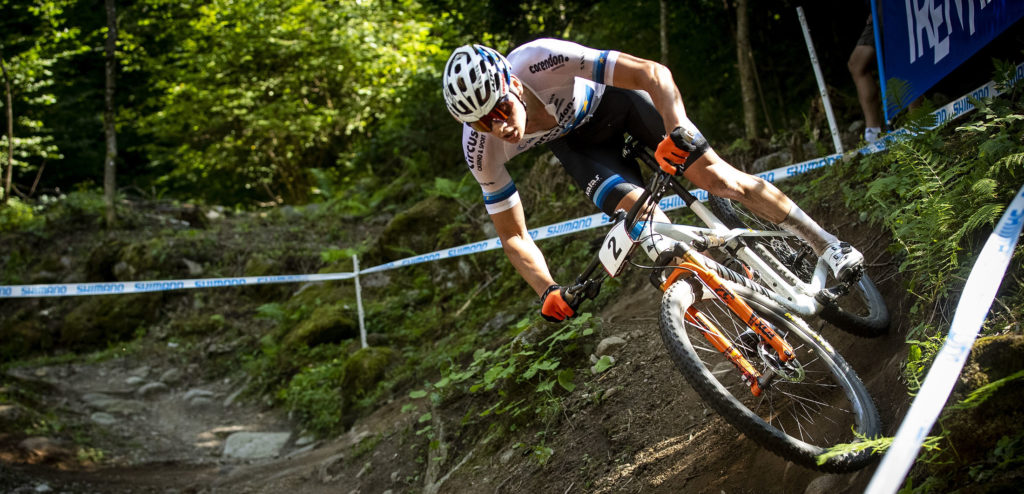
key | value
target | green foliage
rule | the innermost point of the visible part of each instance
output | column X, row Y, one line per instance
column 31, row 43
column 980, row 395
column 877, row 446
column 257, row 114
column 920, row 355
column 938, row 191
column 520, row 361
column 1006, row 458
column 314, row 395
column 18, row 216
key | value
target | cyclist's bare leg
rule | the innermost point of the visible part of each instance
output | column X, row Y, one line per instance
column 713, row 174
column 718, row 177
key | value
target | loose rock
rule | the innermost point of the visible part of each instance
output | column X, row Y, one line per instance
column 609, row 345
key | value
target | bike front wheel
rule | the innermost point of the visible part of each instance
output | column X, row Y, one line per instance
column 798, row 416
column 861, row 312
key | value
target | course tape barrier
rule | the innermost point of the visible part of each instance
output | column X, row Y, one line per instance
column 948, row 112
column 979, row 292
column 123, row 287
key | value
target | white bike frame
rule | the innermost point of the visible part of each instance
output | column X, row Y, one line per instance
column 782, row 285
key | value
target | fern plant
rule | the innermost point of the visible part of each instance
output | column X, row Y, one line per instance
column 939, row 192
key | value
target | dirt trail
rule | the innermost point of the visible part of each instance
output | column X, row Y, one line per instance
column 635, row 428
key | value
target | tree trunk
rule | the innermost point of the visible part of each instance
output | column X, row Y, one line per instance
column 10, row 133
column 109, row 164
column 664, row 32
column 745, row 58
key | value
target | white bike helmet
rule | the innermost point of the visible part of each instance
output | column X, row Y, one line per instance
column 475, row 78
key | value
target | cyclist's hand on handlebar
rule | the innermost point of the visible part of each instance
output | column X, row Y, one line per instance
column 554, row 307
column 679, row 150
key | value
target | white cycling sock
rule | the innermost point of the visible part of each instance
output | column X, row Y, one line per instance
column 871, row 134
column 798, row 223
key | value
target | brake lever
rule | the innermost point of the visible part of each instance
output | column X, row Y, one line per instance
column 582, row 290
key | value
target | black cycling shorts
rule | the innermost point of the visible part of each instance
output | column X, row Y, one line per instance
column 592, row 153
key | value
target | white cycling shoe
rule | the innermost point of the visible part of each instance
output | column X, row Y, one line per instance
column 846, row 262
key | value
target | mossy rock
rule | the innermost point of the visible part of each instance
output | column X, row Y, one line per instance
column 100, row 319
column 149, row 256
column 415, row 230
column 327, row 324
column 22, row 338
column 364, row 369
column 975, row 432
column 102, row 258
column 260, row 265
column 197, row 324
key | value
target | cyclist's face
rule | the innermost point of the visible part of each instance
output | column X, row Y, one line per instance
column 513, row 127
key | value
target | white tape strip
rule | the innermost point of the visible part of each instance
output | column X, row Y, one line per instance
column 73, row 289
column 979, row 291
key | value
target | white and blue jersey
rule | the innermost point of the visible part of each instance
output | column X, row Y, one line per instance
column 569, row 79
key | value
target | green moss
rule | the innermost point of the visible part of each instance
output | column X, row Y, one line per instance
column 197, row 324
column 415, row 230
column 101, row 319
column 327, row 324
column 364, row 369
column 102, row 259
column 260, row 265
column 24, row 337
column 315, row 397
column 978, row 432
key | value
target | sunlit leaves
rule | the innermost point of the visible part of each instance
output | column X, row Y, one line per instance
column 263, row 91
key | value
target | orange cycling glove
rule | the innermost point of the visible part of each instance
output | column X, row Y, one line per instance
column 554, row 308
column 679, row 150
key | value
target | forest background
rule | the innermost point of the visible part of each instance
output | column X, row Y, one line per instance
column 249, row 103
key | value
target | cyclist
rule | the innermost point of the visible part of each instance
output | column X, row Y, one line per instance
column 579, row 101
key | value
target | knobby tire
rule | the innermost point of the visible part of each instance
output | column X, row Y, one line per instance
column 795, row 420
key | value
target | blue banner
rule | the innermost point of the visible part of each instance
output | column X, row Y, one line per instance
column 926, row 39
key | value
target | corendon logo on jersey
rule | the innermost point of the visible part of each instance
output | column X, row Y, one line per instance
column 566, row 110
column 553, row 61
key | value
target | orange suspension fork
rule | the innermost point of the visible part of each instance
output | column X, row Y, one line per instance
column 722, row 344
column 737, row 305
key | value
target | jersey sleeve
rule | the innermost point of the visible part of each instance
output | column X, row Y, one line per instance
column 549, row 57
column 486, row 156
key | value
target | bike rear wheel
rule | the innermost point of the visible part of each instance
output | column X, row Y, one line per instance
column 862, row 312
column 798, row 419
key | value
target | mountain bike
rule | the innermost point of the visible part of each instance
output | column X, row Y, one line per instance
column 732, row 320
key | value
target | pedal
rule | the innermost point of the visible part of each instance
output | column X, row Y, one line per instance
column 830, row 295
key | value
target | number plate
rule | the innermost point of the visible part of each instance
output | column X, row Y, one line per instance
column 615, row 249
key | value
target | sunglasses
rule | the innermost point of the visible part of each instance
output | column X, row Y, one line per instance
column 502, row 111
